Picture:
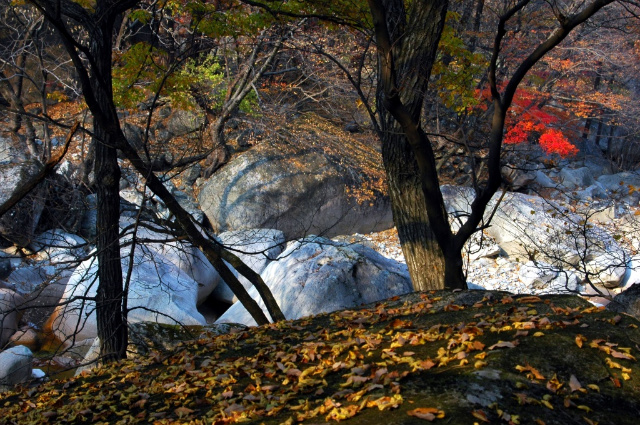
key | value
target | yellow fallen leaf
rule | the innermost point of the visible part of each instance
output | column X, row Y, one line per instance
column 589, row 421
column 479, row 364
column 547, row 404
column 538, row 334
column 593, row 387
column 585, row 408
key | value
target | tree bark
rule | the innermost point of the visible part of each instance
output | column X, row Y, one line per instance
column 404, row 72
column 112, row 328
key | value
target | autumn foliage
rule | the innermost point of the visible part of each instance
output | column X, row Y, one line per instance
column 532, row 122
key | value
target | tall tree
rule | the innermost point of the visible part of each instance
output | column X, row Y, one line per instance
column 406, row 41
column 407, row 38
column 90, row 50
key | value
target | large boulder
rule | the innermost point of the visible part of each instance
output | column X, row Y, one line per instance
column 58, row 246
column 316, row 275
column 154, row 242
column 15, row 366
column 9, row 314
column 19, row 223
column 158, row 292
column 299, row 191
column 627, row 302
column 54, row 203
column 256, row 248
column 572, row 178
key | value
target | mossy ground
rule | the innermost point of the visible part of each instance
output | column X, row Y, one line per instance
column 468, row 357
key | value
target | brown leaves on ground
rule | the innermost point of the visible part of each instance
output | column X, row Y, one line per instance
column 349, row 364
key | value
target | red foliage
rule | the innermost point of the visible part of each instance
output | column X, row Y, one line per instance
column 553, row 141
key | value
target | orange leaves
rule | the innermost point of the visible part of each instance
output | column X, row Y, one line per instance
column 531, row 372
column 426, row 413
column 479, row 414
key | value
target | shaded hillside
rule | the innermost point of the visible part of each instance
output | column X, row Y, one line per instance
column 454, row 358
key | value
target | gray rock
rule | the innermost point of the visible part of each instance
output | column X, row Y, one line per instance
column 529, row 227
column 544, row 181
column 15, row 366
column 19, row 223
column 627, row 302
column 307, row 192
column 536, row 275
column 618, row 184
column 256, row 248
column 134, row 134
column 182, row 255
column 183, row 122
column 192, row 174
column 576, row 178
column 10, row 301
column 317, row 275
column 60, row 246
column 26, row 278
column 594, row 192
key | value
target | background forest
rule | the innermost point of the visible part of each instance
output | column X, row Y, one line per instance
column 129, row 123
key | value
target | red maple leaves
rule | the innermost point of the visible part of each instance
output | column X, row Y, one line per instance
column 531, row 122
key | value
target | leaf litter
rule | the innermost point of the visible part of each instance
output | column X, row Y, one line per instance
column 419, row 356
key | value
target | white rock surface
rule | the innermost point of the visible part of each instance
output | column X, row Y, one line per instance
column 15, row 366
column 256, row 248
column 316, row 275
column 9, row 302
column 607, row 269
column 158, row 292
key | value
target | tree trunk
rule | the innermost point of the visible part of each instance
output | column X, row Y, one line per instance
column 414, row 46
column 421, row 251
column 112, row 327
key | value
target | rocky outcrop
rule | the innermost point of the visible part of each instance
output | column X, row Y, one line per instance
column 316, row 275
column 301, row 192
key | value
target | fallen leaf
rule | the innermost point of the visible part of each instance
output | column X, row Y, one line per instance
column 620, row 355
column 574, row 384
column 183, row 411
column 427, row 413
column 529, row 300
column 503, row 344
column 479, row 414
